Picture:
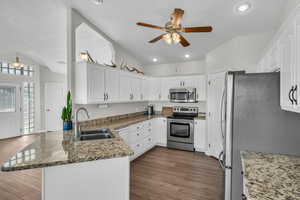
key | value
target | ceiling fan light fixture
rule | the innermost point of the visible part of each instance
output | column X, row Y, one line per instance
column 176, row 38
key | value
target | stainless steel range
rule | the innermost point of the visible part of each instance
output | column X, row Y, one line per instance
column 181, row 128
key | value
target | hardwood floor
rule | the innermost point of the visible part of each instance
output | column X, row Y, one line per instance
column 21, row 185
column 176, row 175
column 159, row 174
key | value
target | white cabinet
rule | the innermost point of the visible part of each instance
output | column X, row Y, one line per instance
column 135, row 86
column 144, row 89
column 284, row 54
column 89, row 83
column 200, row 84
column 289, row 63
column 112, row 85
column 200, row 135
column 95, row 83
column 143, row 136
column 130, row 87
column 125, row 87
column 155, row 89
column 160, row 131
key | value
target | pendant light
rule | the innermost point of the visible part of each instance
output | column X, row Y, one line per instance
column 17, row 64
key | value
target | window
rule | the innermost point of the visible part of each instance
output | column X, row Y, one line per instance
column 6, row 68
column 7, row 99
column 28, row 107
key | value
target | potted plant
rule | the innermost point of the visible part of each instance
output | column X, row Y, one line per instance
column 66, row 115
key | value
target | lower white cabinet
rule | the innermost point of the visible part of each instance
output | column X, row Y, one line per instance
column 160, row 131
column 200, row 135
column 144, row 136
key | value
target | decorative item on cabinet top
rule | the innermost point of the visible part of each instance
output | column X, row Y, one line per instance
column 124, row 66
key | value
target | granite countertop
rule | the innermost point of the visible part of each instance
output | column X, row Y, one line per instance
column 271, row 176
column 59, row 148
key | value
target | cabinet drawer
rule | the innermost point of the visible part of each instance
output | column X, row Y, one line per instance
column 137, row 148
column 135, row 136
column 147, row 143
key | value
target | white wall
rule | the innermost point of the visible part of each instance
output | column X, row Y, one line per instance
column 240, row 53
column 112, row 110
column 89, row 40
column 47, row 76
column 175, row 69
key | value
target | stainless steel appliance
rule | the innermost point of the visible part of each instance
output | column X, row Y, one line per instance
column 253, row 121
column 150, row 110
column 183, row 95
column 181, row 128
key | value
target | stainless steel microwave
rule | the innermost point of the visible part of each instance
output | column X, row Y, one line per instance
column 183, row 95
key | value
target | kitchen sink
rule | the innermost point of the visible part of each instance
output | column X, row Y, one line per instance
column 103, row 133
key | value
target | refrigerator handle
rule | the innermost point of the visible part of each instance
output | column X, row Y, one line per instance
column 221, row 161
column 222, row 104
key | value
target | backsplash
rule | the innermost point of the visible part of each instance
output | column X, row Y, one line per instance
column 99, row 121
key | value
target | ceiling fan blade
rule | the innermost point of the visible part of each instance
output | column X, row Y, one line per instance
column 183, row 41
column 157, row 38
column 176, row 17
column 149, row 25
column 197, row 29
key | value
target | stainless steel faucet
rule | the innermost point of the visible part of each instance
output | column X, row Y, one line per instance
column 77, row 128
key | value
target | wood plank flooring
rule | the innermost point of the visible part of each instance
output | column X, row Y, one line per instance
column 20, row 185
column 176, row 175
column 161, row 173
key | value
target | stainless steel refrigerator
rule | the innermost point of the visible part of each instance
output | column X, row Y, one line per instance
column 253, row 120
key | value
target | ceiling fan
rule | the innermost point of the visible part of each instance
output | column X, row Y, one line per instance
column 173, row 29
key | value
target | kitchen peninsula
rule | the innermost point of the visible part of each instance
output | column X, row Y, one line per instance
column 77, row 169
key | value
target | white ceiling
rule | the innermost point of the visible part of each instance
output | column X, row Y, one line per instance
column 38, row 28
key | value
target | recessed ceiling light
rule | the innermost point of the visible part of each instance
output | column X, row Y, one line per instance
column 154, row 59
column 97, row 2
column 187, row 55
column 243, row 7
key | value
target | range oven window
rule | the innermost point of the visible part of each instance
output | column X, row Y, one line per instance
column 181, row 130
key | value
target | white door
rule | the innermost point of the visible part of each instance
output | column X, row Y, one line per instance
column 216, row 84
column 10, row 114
column 55, row 100
column 112, row 85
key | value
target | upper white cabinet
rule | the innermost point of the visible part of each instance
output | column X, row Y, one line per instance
column 284, row 54
column 112, row 88
column 95, row 83
column 130, row 87
column 144, row 89
column 89, row 83
column 155, row 89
